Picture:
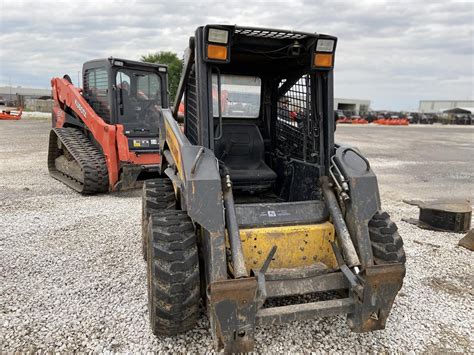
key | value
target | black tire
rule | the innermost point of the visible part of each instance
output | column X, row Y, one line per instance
column 158, row 195
column 387, row 244
column 173, row 273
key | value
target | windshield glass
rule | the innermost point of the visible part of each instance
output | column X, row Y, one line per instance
column 138, row 97
column 240, row 96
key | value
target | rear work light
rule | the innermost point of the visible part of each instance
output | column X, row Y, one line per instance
column 216, row 35
column 325, row 45
column 323, row 56
column 216, row 52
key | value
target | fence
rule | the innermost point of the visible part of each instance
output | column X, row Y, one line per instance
column 38, row 105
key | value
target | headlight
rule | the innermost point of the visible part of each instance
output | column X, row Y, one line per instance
column 325, row 45
column 218, row 36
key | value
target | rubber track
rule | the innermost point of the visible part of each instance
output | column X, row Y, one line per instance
column 90, row 159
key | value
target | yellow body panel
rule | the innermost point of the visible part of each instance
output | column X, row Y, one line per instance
column 301, row 245
column 174, row 148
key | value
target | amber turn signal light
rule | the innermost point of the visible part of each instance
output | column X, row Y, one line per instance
column 216, row 52
column 323, row 60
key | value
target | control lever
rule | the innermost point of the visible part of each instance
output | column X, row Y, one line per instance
column 261, row 288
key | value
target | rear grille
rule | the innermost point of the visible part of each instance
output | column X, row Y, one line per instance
column 270, row 33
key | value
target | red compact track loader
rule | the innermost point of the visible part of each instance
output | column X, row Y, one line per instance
column 11, row 115
column 105, row 136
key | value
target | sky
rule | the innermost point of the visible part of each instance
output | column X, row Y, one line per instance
column 393, row 53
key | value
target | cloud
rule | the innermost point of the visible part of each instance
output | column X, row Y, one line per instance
column 393, row 53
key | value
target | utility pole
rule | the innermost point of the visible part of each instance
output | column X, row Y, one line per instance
column 10, row 87
column 78, row 79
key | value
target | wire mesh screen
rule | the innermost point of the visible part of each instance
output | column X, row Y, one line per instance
column 191, row 109
column 297, row 127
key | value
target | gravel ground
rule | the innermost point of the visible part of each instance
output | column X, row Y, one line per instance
column 73, row 279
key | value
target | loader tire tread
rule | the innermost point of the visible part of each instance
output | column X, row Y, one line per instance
column 157, row 195
column 173, row 272
column 387, row 244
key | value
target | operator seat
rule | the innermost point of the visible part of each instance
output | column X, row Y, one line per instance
column 241, row 149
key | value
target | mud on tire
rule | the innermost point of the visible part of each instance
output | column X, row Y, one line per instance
column 387, row 244
column 172, row 272
column 158, row 195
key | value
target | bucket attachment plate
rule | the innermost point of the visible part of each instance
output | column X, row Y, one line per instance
column 381, row 285
column 233, row 308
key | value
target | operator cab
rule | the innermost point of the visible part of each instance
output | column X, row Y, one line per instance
column 128, row 93
column 261, row 109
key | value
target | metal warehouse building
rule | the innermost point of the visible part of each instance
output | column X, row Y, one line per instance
column 28, row 98
column 353, row 105
column 438, row 106
column 8, row 93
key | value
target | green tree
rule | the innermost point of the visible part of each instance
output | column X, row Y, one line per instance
column 174, row 64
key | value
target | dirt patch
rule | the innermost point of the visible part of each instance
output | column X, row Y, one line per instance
column 449, row 338
column 426, row 243
column 459, row 288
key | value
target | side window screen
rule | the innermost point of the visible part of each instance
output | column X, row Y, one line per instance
column 89, row 80
column 96, row 82
column 296, row 127
column 95, row 90
column 101, row 83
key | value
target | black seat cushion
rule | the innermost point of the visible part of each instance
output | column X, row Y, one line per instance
column 242, row 150
column 261, row 174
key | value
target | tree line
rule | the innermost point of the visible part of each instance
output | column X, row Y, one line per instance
column 175, row 66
